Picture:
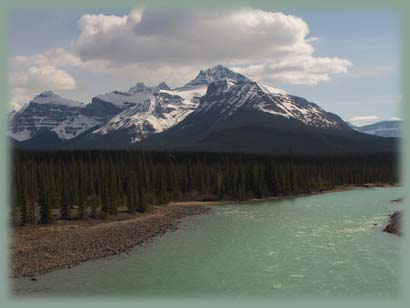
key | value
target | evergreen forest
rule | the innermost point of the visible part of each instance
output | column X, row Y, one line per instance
column 64, row 185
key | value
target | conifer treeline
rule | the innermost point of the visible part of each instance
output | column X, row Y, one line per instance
column 79, row 184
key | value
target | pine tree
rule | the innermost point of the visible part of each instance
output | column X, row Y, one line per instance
column 132, row 196
column 23, row 208
column 14, row 210
column 95, row 206
column 82, row 208
column 43, row 201
column 64, row 208
column 142, row 201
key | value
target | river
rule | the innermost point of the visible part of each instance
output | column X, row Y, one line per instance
column 328, row 244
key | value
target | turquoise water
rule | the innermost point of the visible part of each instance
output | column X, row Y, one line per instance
column 328, row 244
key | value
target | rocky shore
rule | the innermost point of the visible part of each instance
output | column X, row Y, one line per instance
column 394, row 224
column 36, row 250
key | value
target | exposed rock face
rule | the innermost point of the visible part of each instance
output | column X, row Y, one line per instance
column 394, row 224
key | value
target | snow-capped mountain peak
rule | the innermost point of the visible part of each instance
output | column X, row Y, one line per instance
column 49, row 97
column 44, row 112
column 205, row 77
column 163, row 86
column 139, row 87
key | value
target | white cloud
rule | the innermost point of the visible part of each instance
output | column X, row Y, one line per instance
column 364, row 118
column 54, row 57
column 296, row 70
column 190, row 36
column 35, row 79
column 172, row 45
column 396, row 119
column 267, row 46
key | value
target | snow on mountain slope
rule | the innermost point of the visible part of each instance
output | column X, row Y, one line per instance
column 159, row 112
column 272, row 90
column 224, row 97
column 44, row 112
column 162, row 109
column 51, row 98
column 135, row 95
column 188, row 93
column 228, row 92
column 73, row 127
column 124, row 99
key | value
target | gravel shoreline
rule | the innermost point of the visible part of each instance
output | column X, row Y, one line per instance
column 37, row 250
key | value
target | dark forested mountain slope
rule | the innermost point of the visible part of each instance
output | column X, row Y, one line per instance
column 257, row 132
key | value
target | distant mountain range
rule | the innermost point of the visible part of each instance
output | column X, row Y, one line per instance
column 383, row 129
column 219, row 110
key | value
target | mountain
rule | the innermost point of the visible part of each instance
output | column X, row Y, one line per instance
column 152, row 110
column 134, row 96
column 205, row 77
column 382, row 129
column 44, row 112
column 219, row 110
column 226, row 97
column 230, row 104
column 243, row 116
column 160, row 110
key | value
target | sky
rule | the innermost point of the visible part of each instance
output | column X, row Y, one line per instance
column 346, row 62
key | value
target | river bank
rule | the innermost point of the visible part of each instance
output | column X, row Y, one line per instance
column 322, row 245
column 313, row 193
column 40, row 249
